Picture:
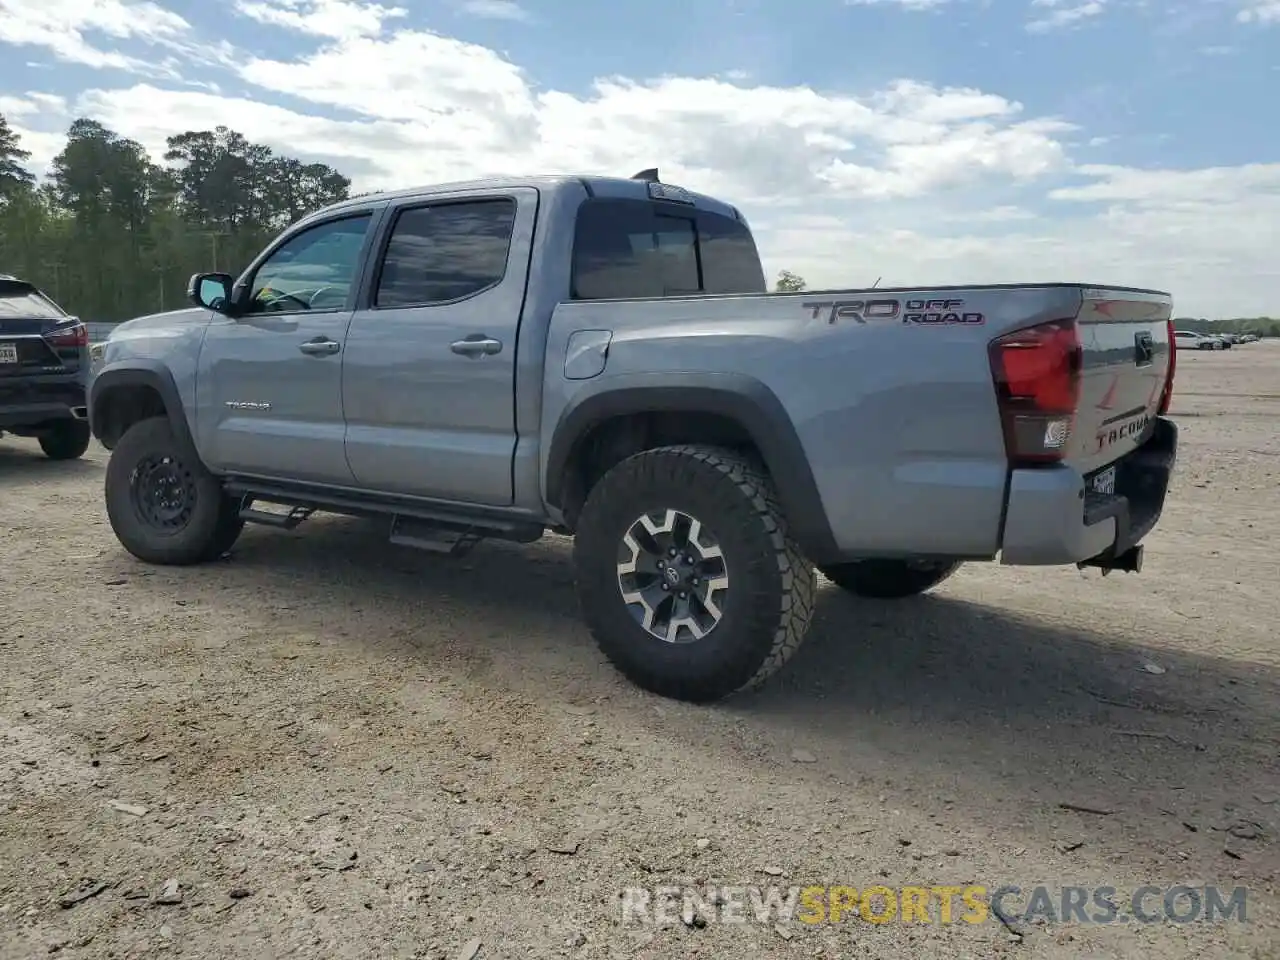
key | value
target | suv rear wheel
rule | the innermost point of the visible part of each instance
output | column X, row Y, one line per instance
column 164, row 506
column 686, row 575
column 889, row 579
column 68, row 440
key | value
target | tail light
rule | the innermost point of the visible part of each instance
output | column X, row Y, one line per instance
column 1037, row 379
column 74, row 335
column 1166, row 396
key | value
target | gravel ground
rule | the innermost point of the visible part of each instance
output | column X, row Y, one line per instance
column 327, row 747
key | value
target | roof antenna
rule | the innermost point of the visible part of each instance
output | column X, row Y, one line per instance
column 877, row 283
column 650, row 175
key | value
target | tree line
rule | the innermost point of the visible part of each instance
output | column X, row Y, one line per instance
column 111, row 234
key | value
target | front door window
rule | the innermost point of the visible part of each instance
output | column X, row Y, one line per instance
column 311, row 271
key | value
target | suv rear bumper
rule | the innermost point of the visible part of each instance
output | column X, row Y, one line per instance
column 1052, row 519
column 33, row 401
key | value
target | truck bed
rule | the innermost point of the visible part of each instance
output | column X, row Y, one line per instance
column 911, row 454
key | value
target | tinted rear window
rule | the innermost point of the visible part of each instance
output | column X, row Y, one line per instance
column 635, row 248
column 22, row 300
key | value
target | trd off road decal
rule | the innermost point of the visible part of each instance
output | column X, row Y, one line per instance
column 915, row 312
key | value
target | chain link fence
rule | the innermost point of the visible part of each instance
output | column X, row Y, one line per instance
column 98, row 332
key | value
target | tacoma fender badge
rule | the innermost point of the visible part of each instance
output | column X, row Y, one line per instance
column 248, row 405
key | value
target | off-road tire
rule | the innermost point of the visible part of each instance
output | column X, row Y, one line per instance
column 766, row 607
column 213, row 523
column 887, row 579
column 66, row 441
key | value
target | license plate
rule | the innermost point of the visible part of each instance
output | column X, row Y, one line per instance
column 1105, row 482
column 8, row 353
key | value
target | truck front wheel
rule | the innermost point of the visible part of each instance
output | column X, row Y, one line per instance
column 164, row 506
column 889, row 579
column 686, row 575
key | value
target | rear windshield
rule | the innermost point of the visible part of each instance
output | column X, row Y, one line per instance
column 23, row 300
column 637, row 248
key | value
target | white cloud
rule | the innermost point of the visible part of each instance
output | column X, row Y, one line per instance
column 411, row 75
column 478, row 110
column 496, row 10
column 1004, row 214
column 1064, row 13
column 1259, row 11
column 33, row 104
column 73, row 31
column 1213, row 184
column 339, row 19
column 916, row 183
column 63, row 27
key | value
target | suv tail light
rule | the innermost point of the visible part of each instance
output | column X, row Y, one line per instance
column 73, row 335
column 1166, row 396
column 1037, row 379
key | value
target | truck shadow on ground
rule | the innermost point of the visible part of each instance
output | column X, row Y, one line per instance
column 956, row 694
column 26, row 462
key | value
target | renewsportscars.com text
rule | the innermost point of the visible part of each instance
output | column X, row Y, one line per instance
column 944, row 904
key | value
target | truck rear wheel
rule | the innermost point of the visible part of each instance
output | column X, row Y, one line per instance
column 686, row 575
column 164, row 506
column 889, row 579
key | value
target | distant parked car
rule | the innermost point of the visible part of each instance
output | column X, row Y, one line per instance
column 1190, row 340
column 44, row 367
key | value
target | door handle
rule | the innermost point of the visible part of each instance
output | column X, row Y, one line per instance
column 476, row 345
column 320, row 347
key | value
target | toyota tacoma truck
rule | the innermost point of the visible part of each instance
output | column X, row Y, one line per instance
column 601, row 358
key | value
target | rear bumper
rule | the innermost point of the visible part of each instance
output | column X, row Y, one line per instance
column 1051, row 519
column 32, row 401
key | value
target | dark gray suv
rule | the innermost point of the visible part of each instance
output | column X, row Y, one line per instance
column 44, row 368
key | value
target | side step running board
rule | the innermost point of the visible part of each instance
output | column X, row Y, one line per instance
column 282, row 521
column 454, row 540
column 424, row 525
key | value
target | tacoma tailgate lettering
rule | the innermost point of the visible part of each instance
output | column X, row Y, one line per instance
column 1131, row 428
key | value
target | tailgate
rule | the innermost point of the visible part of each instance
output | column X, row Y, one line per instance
column 1126, row 353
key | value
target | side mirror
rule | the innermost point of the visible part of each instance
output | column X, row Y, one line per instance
column 211, row 291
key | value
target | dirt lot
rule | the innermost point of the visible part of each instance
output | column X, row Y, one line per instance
column 339, row 749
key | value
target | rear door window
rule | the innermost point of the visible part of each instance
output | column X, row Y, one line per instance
column 446, row 252
column 634, row 248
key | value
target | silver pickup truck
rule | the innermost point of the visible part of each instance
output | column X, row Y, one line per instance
column 600, row 357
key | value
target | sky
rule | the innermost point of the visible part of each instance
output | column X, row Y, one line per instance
column 912, row 141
